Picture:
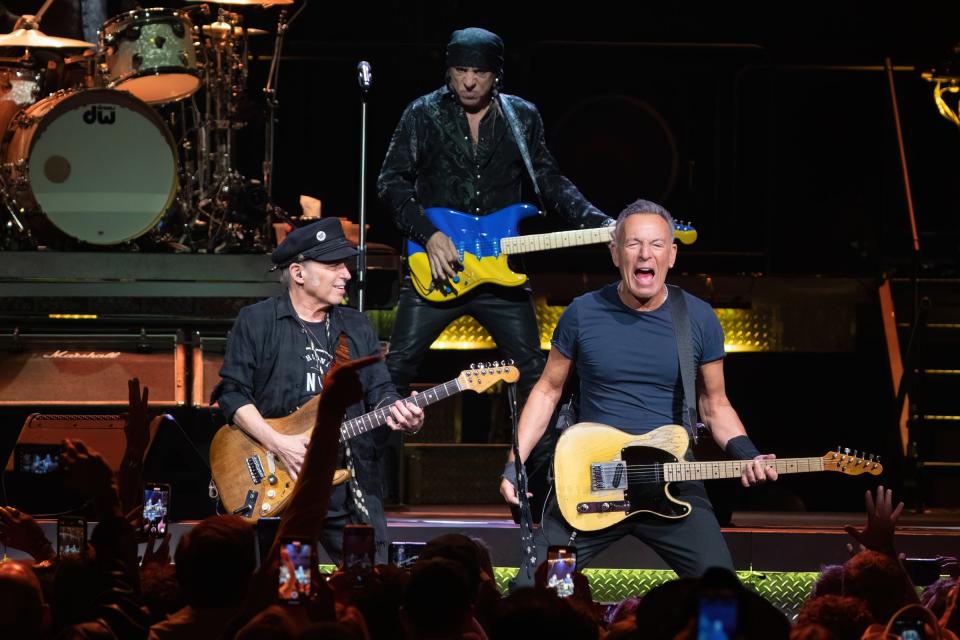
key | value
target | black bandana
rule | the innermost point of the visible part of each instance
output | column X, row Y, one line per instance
column 477, row 48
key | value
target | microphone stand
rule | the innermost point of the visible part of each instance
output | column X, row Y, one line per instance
column 365, row 78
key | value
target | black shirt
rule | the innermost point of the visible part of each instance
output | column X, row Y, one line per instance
column 266, row 365
column 432, row 162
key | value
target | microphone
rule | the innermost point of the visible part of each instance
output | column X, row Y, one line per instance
column 364, row 76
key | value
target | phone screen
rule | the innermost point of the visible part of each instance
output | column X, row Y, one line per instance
column 561, row 563
column 404, row 554
column 296, row 570
column 359, row 551
column 38, row 459
column 156, row 508
column 909, row 629
column 71, row 536
column 717, row 618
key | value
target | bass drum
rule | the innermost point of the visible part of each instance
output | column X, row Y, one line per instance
column 98, row 165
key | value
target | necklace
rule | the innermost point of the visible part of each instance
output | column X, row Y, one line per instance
column 666, row 294
column 314, row 341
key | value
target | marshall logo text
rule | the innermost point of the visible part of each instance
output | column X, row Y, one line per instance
column 92, row 355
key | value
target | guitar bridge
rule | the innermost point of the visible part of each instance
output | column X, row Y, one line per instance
column 255, row 467
column 608, row 476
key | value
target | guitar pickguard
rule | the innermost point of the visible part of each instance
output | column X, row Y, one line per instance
column 646, row 490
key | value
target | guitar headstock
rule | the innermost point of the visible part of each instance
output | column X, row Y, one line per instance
column 684, row 232
column 481, row 376
column 853, row 464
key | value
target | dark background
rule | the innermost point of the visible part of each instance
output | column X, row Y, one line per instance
column 768, row 126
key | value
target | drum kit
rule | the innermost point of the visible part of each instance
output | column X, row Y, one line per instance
column 130, row 142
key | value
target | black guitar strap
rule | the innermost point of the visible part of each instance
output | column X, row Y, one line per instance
column 688, row 367
column 528, row 549
column 520, row 135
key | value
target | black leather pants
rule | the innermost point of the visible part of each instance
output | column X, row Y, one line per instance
column 507, row 313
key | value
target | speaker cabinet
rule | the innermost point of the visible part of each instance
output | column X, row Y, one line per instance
column 454, row 474
column 90, row 369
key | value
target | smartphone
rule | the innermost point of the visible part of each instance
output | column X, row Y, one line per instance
column 717, row 617
column 359, row 549
column 404, row 554
column 37, row 459
column 71, row 536
column 266, row 528
column 156, row 508
column 298, row 563
column 922, row 571
column 909, row 629
column 561, row 563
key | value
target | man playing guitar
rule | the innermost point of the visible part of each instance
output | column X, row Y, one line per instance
column 278, row 353
column 456, row 148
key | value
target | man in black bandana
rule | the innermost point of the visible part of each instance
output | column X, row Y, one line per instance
column 277, row 354
column 455, row 148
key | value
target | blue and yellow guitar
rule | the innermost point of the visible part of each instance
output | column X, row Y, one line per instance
column 484, row 242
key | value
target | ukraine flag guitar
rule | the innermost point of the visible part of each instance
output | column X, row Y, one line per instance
column 484, row 242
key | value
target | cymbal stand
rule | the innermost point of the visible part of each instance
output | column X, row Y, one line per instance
column 273, row 105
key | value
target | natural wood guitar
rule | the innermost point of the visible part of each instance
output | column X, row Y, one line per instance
column 604, row 475
column 252, row 482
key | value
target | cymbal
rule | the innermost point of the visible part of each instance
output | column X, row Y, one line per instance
column 222, row 29
column 258, row 3
column 38, row 40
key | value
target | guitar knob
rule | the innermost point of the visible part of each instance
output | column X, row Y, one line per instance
column 265, row 507
column 271, row 493
column 272, row 479
column 456, row 279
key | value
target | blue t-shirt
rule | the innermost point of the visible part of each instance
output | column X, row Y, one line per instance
column 627, row 360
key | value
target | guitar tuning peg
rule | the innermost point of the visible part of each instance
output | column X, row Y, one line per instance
column 472, row 365
column 854, row 453
column 871, row 457
column 846, row 451
column 510, row 362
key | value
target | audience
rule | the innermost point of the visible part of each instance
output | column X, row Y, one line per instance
column 214, row 589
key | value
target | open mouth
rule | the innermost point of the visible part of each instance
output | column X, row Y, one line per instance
column 644, row 275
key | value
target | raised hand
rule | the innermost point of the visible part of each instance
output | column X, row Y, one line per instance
column 19, row 530
column 882, row 519
column 137, row 427
column 86, row 470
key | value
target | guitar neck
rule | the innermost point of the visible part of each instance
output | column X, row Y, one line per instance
column 556, row 240
column 378, row 417
column 678, row 471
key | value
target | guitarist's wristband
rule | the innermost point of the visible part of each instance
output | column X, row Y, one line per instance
column 510, row 472
column 742, row 448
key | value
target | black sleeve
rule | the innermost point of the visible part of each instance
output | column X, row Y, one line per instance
column 396, row 186
column 239, row 363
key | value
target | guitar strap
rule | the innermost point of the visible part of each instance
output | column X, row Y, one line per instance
column 342, row 354
column 520, row 136
column 688, row 367
column 528, row 549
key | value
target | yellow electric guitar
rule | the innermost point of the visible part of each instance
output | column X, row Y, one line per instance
column 253, row 483
column 604, row 475
column 484, row 242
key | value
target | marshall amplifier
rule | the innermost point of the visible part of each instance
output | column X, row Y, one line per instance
column 90, row 369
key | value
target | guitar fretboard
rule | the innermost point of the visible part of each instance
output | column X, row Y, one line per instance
column 556, row 240
column 678, row 471
column 368, row 421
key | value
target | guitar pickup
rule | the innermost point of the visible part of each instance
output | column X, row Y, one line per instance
column 608, row 476
column 255, row 467
column 247, row 509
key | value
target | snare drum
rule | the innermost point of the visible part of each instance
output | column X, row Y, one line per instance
column 98, row 165
column 151, row 54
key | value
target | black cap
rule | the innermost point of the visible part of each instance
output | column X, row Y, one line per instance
column 322, row 241
column 477, row 48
